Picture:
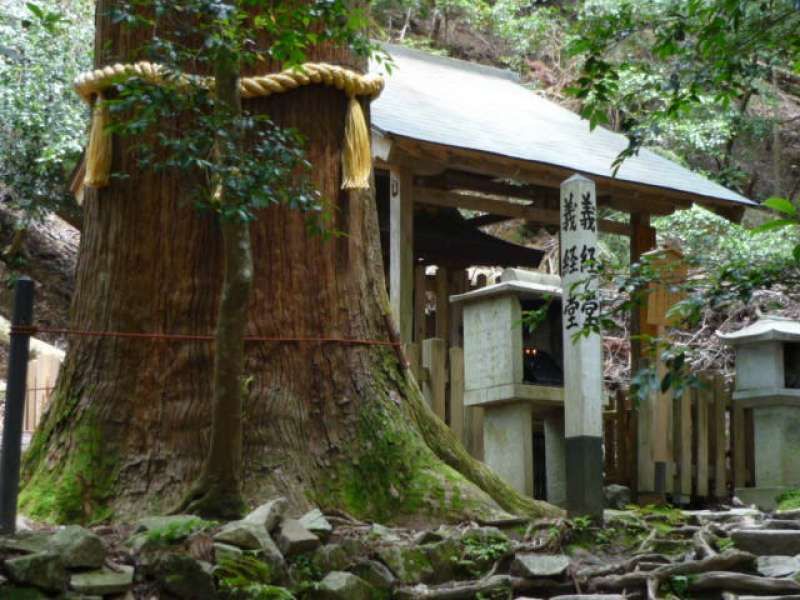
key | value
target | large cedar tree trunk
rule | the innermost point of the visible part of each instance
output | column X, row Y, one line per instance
column 334, row 425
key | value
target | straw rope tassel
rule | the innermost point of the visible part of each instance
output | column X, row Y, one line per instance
column 100, row 151
column 356, row 154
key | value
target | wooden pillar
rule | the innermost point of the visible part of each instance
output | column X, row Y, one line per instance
column 739, row 446
column 434, row 361
column 457, row 285
column 420, row 303
column 401, row 251
column 457, row 392
column 705, row 397
column 720, row 439
column 684, row 483
column 643, row 239
column 442, row 303
column 583, row 368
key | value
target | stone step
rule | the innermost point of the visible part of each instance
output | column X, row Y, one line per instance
column 590, row 597
column 781, row 524
column 767, row 542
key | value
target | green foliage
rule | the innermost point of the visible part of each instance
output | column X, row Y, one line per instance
column 711, row 241
column 679, row 585
column 669, row 63
column 43, row 46
column 789, row 500
column 247, row 578
column 479, row 551
column 176, row 531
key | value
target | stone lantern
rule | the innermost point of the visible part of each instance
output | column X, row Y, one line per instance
column 768, row 383
column 516, row 375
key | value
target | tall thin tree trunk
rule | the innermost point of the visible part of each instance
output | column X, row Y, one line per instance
column 337, row 425
column 218, row 491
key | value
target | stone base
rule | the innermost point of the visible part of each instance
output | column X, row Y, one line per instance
column 555, row 459
column 508, row 444
column 762, row 497
column 585, row 494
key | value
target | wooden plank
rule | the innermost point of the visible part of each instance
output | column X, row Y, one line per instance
column 739, row 456
column 442, row 303
column 414, row 356
column 623, row 450
column 514, row 210
column 458, row 284
column 704, row 401
column 684, row 487
column 643, row 239
column 420, row 303
column 434, row 359
column 401, row 251
column 750, row 447
column 41, row 379
column 31, row 399
column 473, row 425
column 457, row 392
column 721, row 439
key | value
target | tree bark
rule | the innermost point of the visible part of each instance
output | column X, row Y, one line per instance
column 337, row 425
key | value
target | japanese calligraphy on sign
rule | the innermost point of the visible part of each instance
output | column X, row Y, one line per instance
column 579, row 256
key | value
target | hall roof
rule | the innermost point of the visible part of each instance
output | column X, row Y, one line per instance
column 455, row 104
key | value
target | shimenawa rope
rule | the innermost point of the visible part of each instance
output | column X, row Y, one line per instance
column 356, row 155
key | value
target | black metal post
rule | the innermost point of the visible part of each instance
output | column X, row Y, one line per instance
column 15, row 405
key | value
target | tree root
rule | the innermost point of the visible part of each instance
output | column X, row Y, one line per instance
column 741, row 582
column 441, row 440
column 730, row 559
column 458, row 591
column 211, row 501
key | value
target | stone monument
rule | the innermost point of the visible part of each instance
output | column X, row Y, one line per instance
column 768, row 383
column 516, row 375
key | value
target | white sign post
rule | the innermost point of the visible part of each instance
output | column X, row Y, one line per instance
column 583, row 371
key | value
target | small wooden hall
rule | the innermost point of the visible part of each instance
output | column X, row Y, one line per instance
column 459, row 146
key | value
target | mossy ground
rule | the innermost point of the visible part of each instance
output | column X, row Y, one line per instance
column 789, row 500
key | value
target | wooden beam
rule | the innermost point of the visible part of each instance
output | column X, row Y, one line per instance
column 462, row 180
column 485, row 220
column 447, row 157
column 513, row 210
column 401, row 251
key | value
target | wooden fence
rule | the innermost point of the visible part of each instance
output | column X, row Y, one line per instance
column 709, row 444
column 42, row 374
column 440, row 373
column 707, row 441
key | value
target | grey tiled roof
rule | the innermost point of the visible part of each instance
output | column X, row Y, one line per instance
column 460, row 104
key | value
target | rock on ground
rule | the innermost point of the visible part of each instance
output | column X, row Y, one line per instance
column 103, row 581
column 44, row 570
column 293, row 539
column 268, row 515
column 340, row 585
column 539, row 565
column 78, row 547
